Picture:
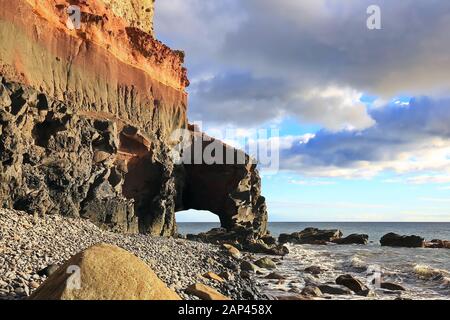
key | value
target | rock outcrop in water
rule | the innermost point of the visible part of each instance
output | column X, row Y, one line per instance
column 86, row 119
column 395, row 240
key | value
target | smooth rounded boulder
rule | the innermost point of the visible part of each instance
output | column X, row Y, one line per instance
column 104, row 272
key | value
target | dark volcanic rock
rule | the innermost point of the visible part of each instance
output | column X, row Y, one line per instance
column 352, row 283
column 311, row 236
column 275, row 276
column 311, row 291
column 314, row 270
column 245, row 239
column 57, row 159
column 334, row 289
column 395, row 240
column 392, row 286
column 353, row 239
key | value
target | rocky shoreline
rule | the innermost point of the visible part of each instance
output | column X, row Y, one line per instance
column 29, row 244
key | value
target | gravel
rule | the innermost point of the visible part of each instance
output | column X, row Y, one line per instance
column 28, row 244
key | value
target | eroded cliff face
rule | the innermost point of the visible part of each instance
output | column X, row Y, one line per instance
column 86, row 117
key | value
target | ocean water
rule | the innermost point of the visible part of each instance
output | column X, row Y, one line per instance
column 425, row 273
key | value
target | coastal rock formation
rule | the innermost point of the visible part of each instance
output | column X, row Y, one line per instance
column 311, row 236
column 87, row 122
column 395, row 240
column 104, row 272
column 353, row 239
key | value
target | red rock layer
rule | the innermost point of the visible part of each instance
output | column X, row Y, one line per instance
column 106, row 66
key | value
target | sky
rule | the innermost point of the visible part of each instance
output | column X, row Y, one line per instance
column 363, row 116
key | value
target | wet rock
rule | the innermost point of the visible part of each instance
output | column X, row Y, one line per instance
column 350, row 282
column 334, row 289
column 310, row 236
column 366, row 293
column 311, row 291
column 266, row 263
column 275, row 276
column 392, row 286
column 395, row 240
column 437, row 244
column 314, row 270
column 362, row 239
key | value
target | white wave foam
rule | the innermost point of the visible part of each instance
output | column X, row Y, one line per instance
column 357, row 263
column 428, row 273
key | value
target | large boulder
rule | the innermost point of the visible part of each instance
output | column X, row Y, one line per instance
column 353, row 239
column 104, row 272
column 310, row 236
column 395, row 240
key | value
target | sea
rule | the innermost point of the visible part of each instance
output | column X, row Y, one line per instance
column 425, row 273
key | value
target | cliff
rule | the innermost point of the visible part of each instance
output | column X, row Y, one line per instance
column 86, row 117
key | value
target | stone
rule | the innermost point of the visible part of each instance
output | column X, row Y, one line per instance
column 248, row 266
column 392, row 286
column 100, row 156
column 350, row 282
column 366, row 293
column 213, row 276
column 314, row 270
column 205, row 293
column 266, row 263
column 334, row 289
column 227, row 275
column 437, row 244
column 362, row 239
column 311, row 291
column 275, row 276
column 232, row 251
column 395, row 240
column 104, row 272
column 311, row 236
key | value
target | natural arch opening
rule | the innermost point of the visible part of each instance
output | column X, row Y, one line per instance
column 196, row 221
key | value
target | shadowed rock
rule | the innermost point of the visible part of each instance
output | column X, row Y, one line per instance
column 311, row 236
column 395, row 240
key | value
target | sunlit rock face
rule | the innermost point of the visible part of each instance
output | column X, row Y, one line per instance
column 86, row 116
column 138, row 13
